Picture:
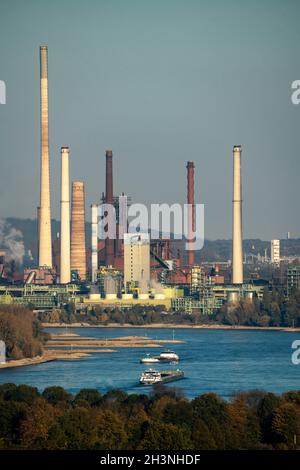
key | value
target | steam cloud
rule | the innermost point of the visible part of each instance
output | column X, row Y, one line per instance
column 11, row 240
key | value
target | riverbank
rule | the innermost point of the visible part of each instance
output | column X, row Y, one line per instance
column 70, row 346
column 213, row 360
column 172, row 326
column 50, row 355
column 65, row 341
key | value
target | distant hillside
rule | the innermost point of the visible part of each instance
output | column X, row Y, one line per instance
column 220, row 250
column 214, row 250
column 28, row 228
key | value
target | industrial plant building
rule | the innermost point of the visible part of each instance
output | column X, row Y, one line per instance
column 275, row 251
column 137, row 262
column 128, row 268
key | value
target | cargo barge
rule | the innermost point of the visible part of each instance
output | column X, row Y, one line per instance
column 152, row 377
column 165, row 356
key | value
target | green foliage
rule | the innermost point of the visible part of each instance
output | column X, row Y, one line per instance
column 137, row 315
column 213, row 411
column 115, row 395
column 291, row 314
column 273, row 310
column 76, row 429
column 162, row 436
column 110, row 431
column 179, row 413
column 11, row 416
column 286, row 424
column 201, row 436
column 55, row 395
column 18, row 393
column 54, row 419
column 267, row 406
column 90, row 395
column 37, row 426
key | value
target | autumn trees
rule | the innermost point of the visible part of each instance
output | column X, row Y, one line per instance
column 165, row 420
column 274, row 309
column 21, row 332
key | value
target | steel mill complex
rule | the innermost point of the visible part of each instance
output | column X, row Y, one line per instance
column 116, row 267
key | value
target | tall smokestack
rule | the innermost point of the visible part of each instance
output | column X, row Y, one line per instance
column 78, row 249
column 38, row 210
column 94, row 263
column 45, row 243
column 191, row 212
column 237, row 238
column 65, row 260
column 109, row 243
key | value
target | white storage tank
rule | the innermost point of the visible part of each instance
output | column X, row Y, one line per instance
column 233, row 296
column 249, row 295
column 143, row 296
column 159, row 296
column 127, row 296
column 111, row 296
column 94, row 296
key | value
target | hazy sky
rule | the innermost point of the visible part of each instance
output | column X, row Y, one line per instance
column 159, row 82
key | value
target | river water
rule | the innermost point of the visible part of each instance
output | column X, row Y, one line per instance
column 221, row 361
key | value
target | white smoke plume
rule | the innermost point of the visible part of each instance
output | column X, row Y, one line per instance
column 11, row 241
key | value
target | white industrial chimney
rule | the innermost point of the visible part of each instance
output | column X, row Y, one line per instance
column 237, row 237
column 44, row 222
column 65, row 257
column 94, row 261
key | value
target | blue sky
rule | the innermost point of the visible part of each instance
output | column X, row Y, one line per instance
column 160, row 83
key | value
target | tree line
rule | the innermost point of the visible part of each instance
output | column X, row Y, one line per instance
column 274, row 309
column 21, row 332
column 164, row 420
column 136, row 315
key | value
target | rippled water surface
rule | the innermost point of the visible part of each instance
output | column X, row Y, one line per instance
column 222, row 361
